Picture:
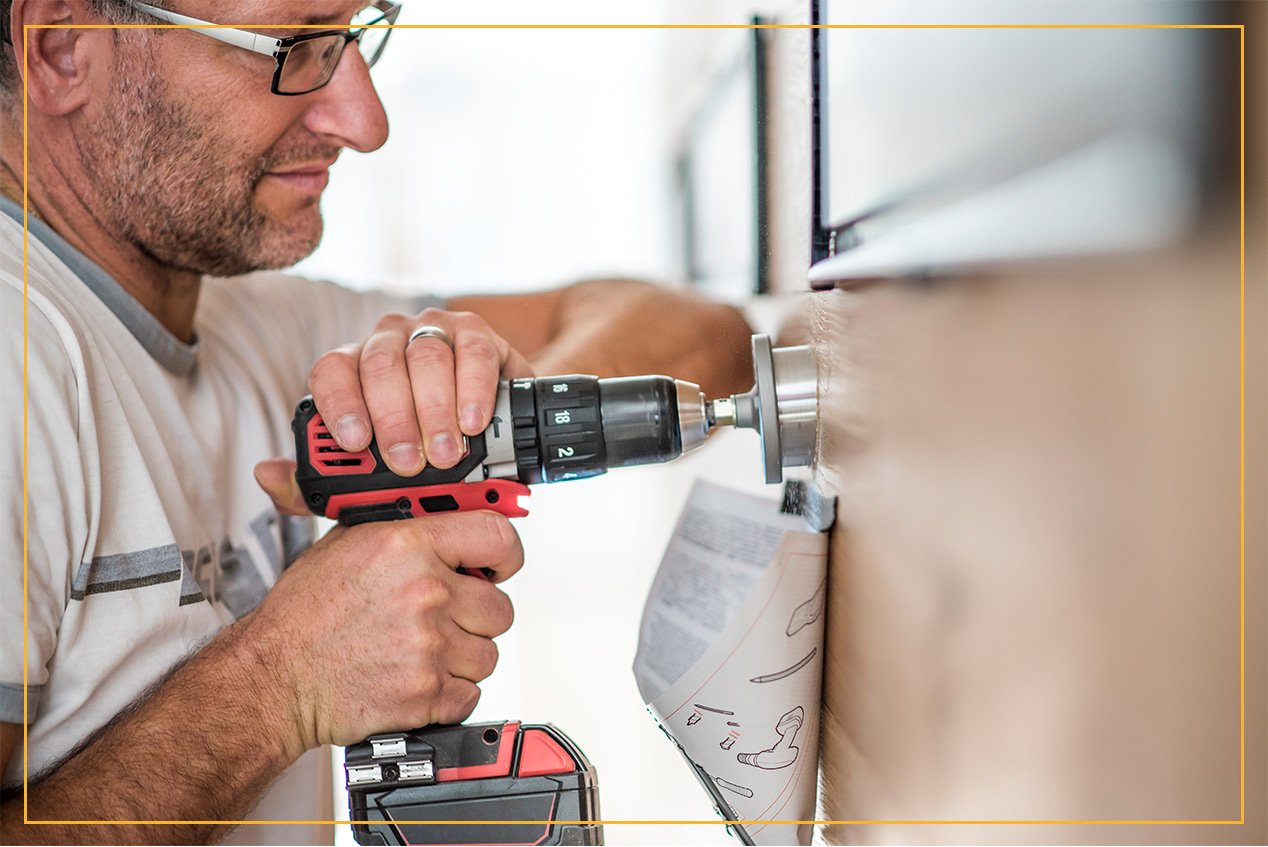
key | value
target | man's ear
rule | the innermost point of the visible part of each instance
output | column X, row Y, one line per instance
column 57, row 61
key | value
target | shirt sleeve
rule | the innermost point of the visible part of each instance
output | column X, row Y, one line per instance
column 342, row 316
column 35, row 588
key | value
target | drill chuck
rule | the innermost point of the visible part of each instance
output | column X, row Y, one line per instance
column 571, row 427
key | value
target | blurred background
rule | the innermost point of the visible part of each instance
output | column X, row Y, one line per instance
column 1026, row 246
column 525, row 158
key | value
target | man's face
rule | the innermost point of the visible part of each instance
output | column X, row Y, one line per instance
column 199, row 165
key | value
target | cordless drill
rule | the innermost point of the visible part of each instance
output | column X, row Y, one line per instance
column 546, row 429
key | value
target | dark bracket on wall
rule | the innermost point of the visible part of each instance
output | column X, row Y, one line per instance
column 803, row 498
column 820, row 237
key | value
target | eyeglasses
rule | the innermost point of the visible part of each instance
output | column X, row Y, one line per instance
column 304, row 62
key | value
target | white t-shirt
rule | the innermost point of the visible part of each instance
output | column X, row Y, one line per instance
column 146, row 531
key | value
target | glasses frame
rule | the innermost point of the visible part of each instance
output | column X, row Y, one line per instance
column 279, row 48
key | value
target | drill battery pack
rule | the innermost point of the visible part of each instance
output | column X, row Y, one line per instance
column 520, row 784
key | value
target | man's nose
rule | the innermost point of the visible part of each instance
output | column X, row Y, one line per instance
column 347, row 109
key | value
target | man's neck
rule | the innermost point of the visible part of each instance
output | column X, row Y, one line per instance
column 170, row 295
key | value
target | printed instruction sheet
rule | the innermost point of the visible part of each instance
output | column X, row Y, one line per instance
column 730, row 656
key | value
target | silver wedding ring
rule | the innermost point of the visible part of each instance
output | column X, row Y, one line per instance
column 430, row 332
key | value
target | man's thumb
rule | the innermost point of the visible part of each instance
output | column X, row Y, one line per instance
column 277, row 478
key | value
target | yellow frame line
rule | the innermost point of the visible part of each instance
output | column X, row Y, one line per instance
column 26, row 299
column 259, row 25
column 923, row 822
column 1242, row 406
column 640, row 26
column 26, row 819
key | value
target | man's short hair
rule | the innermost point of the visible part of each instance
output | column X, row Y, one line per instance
column 114, row 11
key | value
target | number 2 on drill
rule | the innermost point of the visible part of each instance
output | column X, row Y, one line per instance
column 565, row 452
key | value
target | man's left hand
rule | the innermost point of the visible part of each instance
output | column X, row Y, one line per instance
column 418, row 398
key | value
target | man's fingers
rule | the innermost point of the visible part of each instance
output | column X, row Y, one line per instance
column 418, row 398
column 385, row 382
column 277, row 478
column 431, row 385
column 335, row 383
column 481, row 608
column 471, row 657
column 475, row 540
column 516, row 365
column 479, row 355
column 458, row 699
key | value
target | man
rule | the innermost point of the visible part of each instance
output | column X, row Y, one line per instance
column 165, row 684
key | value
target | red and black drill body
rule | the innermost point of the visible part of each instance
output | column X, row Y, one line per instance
column 545, row 429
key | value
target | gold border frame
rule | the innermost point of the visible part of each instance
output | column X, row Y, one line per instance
column 1242, row 384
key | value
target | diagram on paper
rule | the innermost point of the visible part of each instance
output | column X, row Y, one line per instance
column 783, row 752
column 737, row 685
column 788, row 671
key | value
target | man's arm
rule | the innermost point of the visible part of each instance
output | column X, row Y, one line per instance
column 373, row 629
column 202, row 747
column 623, row 328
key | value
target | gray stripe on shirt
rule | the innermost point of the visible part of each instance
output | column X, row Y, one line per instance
column 11, row 702
column 122, row 571
column 191, row 592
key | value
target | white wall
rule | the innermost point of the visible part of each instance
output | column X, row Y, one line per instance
column 517, row 158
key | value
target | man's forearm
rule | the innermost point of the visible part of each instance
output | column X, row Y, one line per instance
column 201, row 747
column 619, row 327
column 623, row 328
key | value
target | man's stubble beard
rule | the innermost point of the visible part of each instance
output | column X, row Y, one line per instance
column 169, row 185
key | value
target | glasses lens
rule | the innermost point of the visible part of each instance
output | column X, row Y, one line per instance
column 310, row 64
column 371, row 44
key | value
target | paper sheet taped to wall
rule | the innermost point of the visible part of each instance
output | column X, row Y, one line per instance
column 730, row 656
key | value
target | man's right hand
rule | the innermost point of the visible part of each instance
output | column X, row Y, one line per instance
column 374, row 629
